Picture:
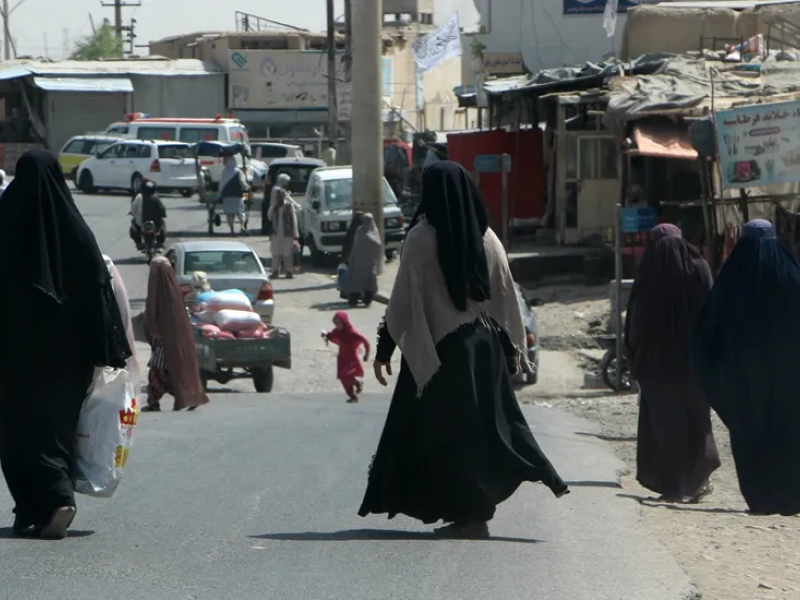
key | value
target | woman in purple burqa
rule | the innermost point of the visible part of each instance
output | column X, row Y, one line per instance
column 676, row 453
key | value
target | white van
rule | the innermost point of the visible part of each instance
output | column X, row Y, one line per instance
column 189, row 131
column 327, row 210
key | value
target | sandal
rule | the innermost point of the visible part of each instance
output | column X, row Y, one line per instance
column 476, row 530
column 56, row 529
column 708, row 489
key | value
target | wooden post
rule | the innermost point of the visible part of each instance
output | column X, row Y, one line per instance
column 561, row 173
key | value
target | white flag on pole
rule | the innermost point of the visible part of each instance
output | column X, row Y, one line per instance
column 610, row 17
column 433, row 49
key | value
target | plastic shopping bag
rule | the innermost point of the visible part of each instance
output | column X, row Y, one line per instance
column 105, row 433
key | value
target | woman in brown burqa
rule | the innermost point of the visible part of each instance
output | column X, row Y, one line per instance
column 676, row 453
column 173, row 364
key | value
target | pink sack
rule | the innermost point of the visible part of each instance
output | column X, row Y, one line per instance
column 236, row 320
column 254, row 333
column 222, row 306
column 208, row 331
column 225, row 335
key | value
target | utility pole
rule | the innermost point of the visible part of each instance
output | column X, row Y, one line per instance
column 366, row 121
column 130, row 38
column 6, row 32
column 8, row 42
column 333, row 108
column 348, row 41
column 118, row 5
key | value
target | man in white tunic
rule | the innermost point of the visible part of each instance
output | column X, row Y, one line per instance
column 285, row 235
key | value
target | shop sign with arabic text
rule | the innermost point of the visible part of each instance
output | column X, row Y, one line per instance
column 759, row 144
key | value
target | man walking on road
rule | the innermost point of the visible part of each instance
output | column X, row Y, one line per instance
column 329, row 155
column 285, row 235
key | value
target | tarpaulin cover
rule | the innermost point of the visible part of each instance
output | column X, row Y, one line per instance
column 683, row 82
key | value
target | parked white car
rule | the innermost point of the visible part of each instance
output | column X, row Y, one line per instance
column 123, row 166
column 191, row 131
column 229, row 265
column 327, row 209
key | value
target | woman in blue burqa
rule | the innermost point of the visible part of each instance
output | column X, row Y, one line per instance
column 676, row 453
column 745, row 352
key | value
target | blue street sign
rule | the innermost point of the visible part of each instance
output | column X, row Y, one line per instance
column 487, row 163
column 635, row 220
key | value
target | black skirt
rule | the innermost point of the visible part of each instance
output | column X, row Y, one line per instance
column 464, row 446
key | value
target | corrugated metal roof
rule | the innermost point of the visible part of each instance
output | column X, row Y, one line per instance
column 72, row 68
column 14, row 72
column 83, row 84
column 184, row 66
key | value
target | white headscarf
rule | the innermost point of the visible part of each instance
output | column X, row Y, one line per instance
column 283, row 179
column 421, row 313
column 229, row 172
column 121, row 295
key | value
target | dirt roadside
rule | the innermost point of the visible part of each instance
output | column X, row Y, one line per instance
column 728, row 554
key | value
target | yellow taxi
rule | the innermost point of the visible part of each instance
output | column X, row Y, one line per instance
column 79, row 148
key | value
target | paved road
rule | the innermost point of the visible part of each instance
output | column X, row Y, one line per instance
column 255, row 496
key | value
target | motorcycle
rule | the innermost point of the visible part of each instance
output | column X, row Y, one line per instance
column 150, row 240
column 610, row 363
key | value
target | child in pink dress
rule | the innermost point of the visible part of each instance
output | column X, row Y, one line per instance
column 348, row 365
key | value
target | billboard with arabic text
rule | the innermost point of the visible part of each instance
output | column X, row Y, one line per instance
column 285, row 80
column 759, row 144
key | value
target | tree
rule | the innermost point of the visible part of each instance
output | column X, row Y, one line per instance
column 103, row 43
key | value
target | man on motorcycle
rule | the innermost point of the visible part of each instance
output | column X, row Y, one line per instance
column 147, row 206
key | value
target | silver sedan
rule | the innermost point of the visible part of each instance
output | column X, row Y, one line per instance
column 229, row 265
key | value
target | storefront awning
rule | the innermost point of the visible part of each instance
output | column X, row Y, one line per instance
column 663, row 139
column 84, row 84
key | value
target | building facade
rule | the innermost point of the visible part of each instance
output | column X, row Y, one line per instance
column 277, row 82
column 546, row 34
column 49, row 102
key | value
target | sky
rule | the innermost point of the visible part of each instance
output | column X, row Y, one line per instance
column 68, row 20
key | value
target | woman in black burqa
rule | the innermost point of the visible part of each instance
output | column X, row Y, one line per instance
column 676, row 453
column 60, row 321
column 455, row 443
column 745, row 352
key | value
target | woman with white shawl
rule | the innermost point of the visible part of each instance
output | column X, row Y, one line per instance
column 455, row 443
column 364, row 263
column 121, row 295
column 232, row 187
